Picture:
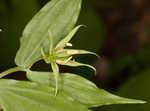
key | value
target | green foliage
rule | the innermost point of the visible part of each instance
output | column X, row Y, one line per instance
column 80, row 89
column 29, row 96
column 59, row 16
column 55, row 22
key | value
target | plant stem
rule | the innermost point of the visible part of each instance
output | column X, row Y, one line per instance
column 9, row 71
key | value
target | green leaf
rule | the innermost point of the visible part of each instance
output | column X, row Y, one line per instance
column 80, row 89
column 29, row 96
column 63, row 42
column 59, row 16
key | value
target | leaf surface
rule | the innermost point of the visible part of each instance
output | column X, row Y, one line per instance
column 58, row 16
column 29, row 96
column 80, row 89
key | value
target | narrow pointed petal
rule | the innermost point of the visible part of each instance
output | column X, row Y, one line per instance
column 74, row 64
column 43, row 54
column 55, row 69
column 63, row 42
column 51, row 42
column 70, row 52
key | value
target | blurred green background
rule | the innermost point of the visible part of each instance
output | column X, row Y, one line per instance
column 117, row 30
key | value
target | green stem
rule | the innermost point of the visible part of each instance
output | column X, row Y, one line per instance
column 9, row 71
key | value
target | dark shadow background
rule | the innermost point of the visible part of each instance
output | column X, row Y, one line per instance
column 118, row 30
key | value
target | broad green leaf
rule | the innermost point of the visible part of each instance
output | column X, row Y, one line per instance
column 29, row 96
column 70, row 52
column 74, row 64
column 80, row 89
column 64, row 41
column 59, row 16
